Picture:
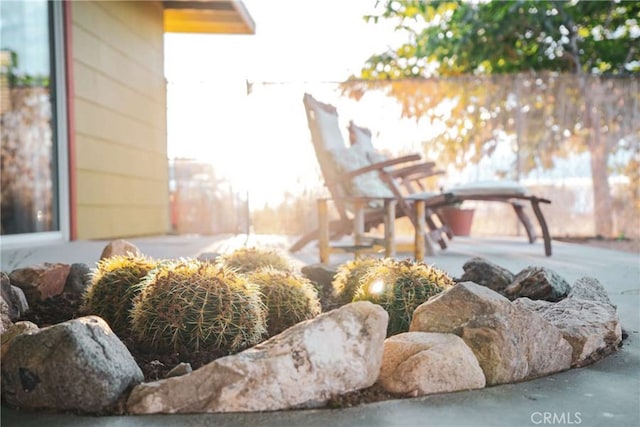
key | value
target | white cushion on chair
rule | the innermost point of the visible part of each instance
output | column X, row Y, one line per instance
column 488, row 188
column 368, row 184
column 425, row 195
column 361, row 137
column 329, row 127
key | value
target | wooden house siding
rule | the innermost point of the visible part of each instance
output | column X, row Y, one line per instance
column 120, row 119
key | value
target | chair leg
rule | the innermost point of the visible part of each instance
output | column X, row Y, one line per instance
column 524, row 219
column 422, row 245
column 337, row 229
column 358, row 226
column 535, row 204
column 445, row 227
column 304, row 241
column 434, row 228
column 389, row 229
column 323, row 231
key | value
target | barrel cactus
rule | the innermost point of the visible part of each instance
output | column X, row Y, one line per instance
column 290, row 298
column 190, row 305
column 348, row 276
column 247, row 260
column 114, row 284
column 400, row 287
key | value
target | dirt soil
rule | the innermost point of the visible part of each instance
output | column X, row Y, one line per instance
column 155, row 365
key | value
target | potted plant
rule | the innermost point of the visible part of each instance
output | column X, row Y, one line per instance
column 458, row 218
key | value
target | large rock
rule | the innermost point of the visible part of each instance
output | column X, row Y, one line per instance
column 16, row 329
column 587, row 320
column 320, row 274
column 5, row 319
column 419, row 363
column 590, row 289
column 486, row 273
column 79, row 365
column 41, row 281
column 79, row 278
column 14, row 297
column 539, row 283
column 120, row 248
column 322, row 277
column 510, row 343
column 337, row 352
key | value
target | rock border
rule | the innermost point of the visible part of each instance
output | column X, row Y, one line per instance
column 493, row 327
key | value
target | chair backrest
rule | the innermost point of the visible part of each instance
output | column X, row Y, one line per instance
column 326, row 137
column 335, row 158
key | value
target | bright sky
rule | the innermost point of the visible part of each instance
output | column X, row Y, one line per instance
column 295, row 40
column 252, row 139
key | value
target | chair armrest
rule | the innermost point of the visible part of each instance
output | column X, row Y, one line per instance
column 380, row 166
column 422, row 174
column 396, row 161
column 414, row 169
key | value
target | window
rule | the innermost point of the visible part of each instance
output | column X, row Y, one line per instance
column 32, row 119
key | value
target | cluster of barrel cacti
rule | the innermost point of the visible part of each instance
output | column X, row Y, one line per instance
column 288, row 296
column 242, row 298
column 192, row 305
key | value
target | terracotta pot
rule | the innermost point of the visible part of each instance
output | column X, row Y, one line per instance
column 459, row 220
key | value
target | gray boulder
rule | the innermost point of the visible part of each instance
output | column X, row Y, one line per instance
column 16, row 329
column 5, row 319
column 14, row 297
column 78, row 279
column 78, row 365
column 586, row 318
column 322, row 277
column 538, row 283
column 590, row 289
column 483, row 272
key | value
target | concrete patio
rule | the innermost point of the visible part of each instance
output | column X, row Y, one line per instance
column 605, row 393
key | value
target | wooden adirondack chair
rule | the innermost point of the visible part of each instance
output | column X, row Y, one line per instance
column 351, row 178
column 354, row 174
column 505, row 191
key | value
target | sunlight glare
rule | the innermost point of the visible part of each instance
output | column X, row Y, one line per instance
column 376, row 287
column 245, row 116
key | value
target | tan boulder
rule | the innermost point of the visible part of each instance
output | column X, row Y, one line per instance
column 419, row 363
column 120, row 248
column 511, row 344
column 334, row 353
